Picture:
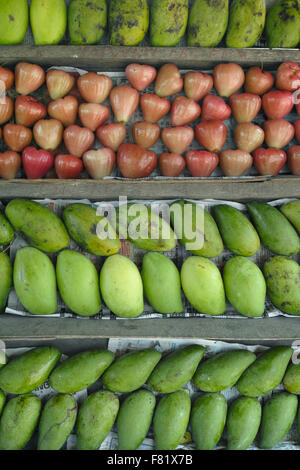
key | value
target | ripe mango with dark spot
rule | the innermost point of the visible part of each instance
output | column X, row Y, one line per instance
column 168, row 23
column 92, row 232
column 291, row 210
column 78, row 283
column 96, row 417
column 283, row 24
column 208, row 419
column 13, row 21
column 266, row 373
column 246, row 22
column 38, row 225
column 128, row 22
column 80, row 371
column 208, row 22
column 243, row 423
column 176, row 369
column 87, row 21
column 6, row 231
column 282, row 276
column 278, row 416
column 26, row 372
column 18, row 421
column 57, row 422
column 5, row 279
column 134, row 419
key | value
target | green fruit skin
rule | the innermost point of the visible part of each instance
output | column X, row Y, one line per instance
column 155, row 233
column 278, row 416
column 128, row 22
column 35, row 281
column 291, row 380
column 292, row 212
column 282, row 278
column 238, row 233
column 25, row 373
column 57, row 422
column 83, row 224
column 40, row 227
column 189, row 214
column 48, row 19
column 208, row 22
column 243, row 423
column 245, row 286
column 168, row 23
column 208, row 418
column 266, row 373
column 246, row 22
column 171, row 419
column 78, row 283
column 96, row 417
column 5, row 279
column 2, row 401
column 18, row 421
column 134, row 419
column 80, row 371
column 130, row 371
column 203, row 285
column 274, row 229
column 6, row 231
column 222, row 370
column 176, row 369
column 121, row 287
column 161, row 281
column 283, row 24
column 13, row 21
column 87, row 21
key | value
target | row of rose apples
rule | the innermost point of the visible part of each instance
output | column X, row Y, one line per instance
column 83, row 96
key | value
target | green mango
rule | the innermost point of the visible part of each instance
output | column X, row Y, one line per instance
column 80, row 371
column 274, row 229
column 208, row 22
column 203, row 285
column 246, row 22
column 291, row 211
column 57, row 422
column 2, row 401
column 279, row 413
column 266, row 373
column 283, row 24
column 245, row 286
column 87, row 21
column 291, row 380
column 18, row 421
column 176, row 369
column 78, row 283
column 131, row 371
column 26, row 372
column 238, row 233
column 48, row 19
column 168, row 23
column 5, row 279
column 121, row 287
column 208, row 419
column 86, row 228
column 145, row 228
column 222, row 370
column 171, row 419
column 128, row 22
column 134, row 419
column 189, row 219
column 35, row 281
column 38, row 225
column 243, row 423
column 96, row 417
column 282, row 277
column 13, row 21
column 161, row 281
column 7, row 232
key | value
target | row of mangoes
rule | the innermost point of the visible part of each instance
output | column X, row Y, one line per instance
column 168, row 20
column 143, row 375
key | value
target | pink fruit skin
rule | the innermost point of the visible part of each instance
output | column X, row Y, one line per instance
column 258, row 81
column 294, row 159
column 297, row 130
column 177, row 139
column 168, row 81
column 10, row 163
column 64, row 110
column 248, row 136
column 277, row 104
column 278, row 133
column 140, row 76
column 215, row 108
column 36, row 163
column 197, row 85
column 78, row 140
column 245, row 106
column 99, row 163
column 288, row 76
column 228, row 79
column 153, row 107
column 112, row 135
column 145, row 134
column 211, row 135
column 136, row 162
column 94, row 88
column 68, row 166
column 201, row 163
column 235, row 162
column 269, row 161
column 171, row 164
column 124, row 101
column 184, row 111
